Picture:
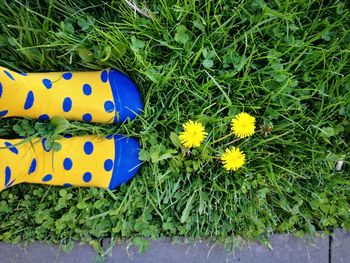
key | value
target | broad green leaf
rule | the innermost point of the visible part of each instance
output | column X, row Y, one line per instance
column 181, row 35
column 208, row 63
column 280, row 77
column 136, row 44
column 328, row 132
column 60, row 124
column 86, row 55
column 144, row 155
column 175, row 140
column 186, row 212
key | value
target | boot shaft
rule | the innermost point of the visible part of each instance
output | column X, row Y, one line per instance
column 82, row 161
column 106, row 96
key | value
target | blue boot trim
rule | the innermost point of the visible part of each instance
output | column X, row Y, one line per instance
column 127, row 98
column 126, row 161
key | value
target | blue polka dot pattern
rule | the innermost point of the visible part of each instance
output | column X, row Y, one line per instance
column 87, row 89
column 29, row 101
column 88, row 148
column 47, row 83
column 44, row 117
column 67, row 104
column 9, row 74
column 0, row 90
column 11, row 147
column 43, row 141
column 104, row 76
column 23, row 74
column 67, row 75
column 67, row 164
column 32, row 167
column 67, row 185
column 3, row 113
column 109, row 106
column 7, row 175
column 87, row 117
column 47, row 178
column 68, row 136
column 87, row 177
column 108, row 165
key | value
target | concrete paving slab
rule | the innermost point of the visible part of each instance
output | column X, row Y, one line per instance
column 340, row 247
column 43, row 253
column 286, row 249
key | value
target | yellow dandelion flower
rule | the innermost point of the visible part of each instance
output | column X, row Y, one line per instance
column 243, row 125
column 193, row 134
column 233, row 159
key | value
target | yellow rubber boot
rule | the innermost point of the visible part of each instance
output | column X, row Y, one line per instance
column 82, row 161
column 106, row 96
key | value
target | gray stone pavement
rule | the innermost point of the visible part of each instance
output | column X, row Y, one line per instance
column 340, row 251
column 43, row 253
column 285, row 248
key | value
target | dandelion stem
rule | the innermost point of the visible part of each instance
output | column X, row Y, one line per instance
column 222, row 138
column 232, row 141
column 211, row 157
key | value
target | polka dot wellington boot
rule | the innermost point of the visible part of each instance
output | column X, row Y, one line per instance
column 82, row 161
column 106, row 96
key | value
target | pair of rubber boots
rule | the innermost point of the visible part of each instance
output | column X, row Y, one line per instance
column 106, row 96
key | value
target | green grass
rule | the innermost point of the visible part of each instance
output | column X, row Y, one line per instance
column 285, row 62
